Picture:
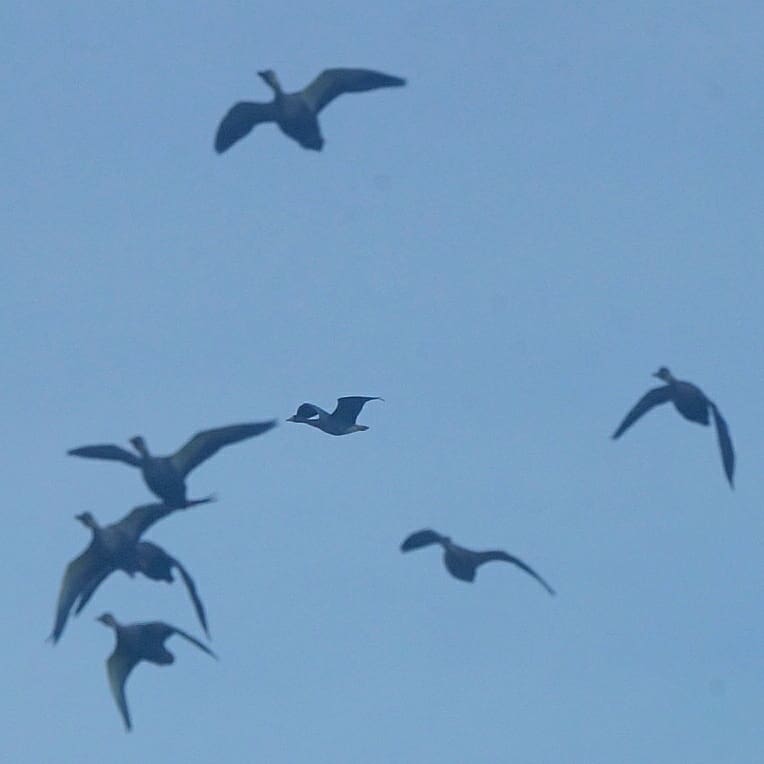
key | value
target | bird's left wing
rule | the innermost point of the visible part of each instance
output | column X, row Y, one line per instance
column 349, row 408
column 206, row 443
column 334, row 82
column 136, row 522
column 419, row 539
column 193, row 640
column 198, row 606
column 725, row 443
column 503, row 556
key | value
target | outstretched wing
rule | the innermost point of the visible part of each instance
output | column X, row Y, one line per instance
column 111, row 452
column 240, row 120
column 334, row 82
column 118, row 667
column 90, row 589
column 349, row 408
column 189, row 582
column 80, row 573
column 421, row 538
column 725, row 443
column 499, row 555
column 192, row 640
column 140, row 519
column 208, row 442
column 653, row 397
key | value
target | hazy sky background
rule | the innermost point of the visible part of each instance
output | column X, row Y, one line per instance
column 562, row 200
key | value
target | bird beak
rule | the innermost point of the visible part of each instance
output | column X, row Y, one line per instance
column 292, row 419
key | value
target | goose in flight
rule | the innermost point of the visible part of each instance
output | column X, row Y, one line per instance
column 138, row 642
column 118, row 547
column 340, row 422
column 296, row 114
column 691, row 402
column 463, row 563
column 166, row 475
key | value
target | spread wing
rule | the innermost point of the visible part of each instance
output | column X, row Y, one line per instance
column 118, row 667
column 189, row 582
column 725, row 444
column 111, row 452
column 499, row 555
column 208, row 442
column 140, row 519
column 80, row 573
column 420, row 539
column 192, row 640
column 89, row 590
column 653, row 397
column 349, row 408
column 334, row 82
column 240, row 120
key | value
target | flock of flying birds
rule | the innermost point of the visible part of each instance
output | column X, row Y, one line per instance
column 120, row 546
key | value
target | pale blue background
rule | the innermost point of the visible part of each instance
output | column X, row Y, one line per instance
column 565, row 197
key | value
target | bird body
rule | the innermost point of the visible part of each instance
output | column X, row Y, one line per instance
column 135, row 643
column 165, row 476
column 296, row 114
column 118, row 547
column 693, row 404
column 340, row 422
column 462, row 563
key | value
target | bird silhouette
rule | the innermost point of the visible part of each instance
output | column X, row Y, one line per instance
column 166, row 475
column 463, row 563
column 296, row 114
column 118, row 547
column 693, row 404
column 340, row 422
column 138, row 642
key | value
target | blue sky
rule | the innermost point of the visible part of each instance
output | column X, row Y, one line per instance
column 560, row 201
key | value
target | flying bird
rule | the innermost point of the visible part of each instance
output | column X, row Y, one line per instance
column 166, row 475
column 296, row 114
column 691, row 402
column 463, row 563
column 118, row 547
column 138, row 642
column 340, row 422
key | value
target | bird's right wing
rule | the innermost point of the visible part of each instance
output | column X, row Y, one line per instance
column 240, row 120
column 653, row 397
column 118, row 667
column 725, row 443
column 192, row 640
column 138, row 520
column 334, row 82
column 106, row 451
column 90, row 589
column 420, row 539
column 500, row 555
column 208, row 442
column 198, row 606
column 80, row 573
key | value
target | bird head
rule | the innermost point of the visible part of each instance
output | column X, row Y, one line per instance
column 87, row 519
column 139, row 444
column 269, row 77
column 108, row 620
column 664, row 374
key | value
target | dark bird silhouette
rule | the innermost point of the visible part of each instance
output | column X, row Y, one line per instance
column 340, row 422
column 166, row 475
column 138, row 642
column 297, row 113
column 693, row 404
column 463, row 563
column 118, row 547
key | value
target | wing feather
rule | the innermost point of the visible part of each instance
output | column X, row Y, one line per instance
column 725, row 444
column 106, row 451
column 503, row 556
column 349, row 407
column 419, row 539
